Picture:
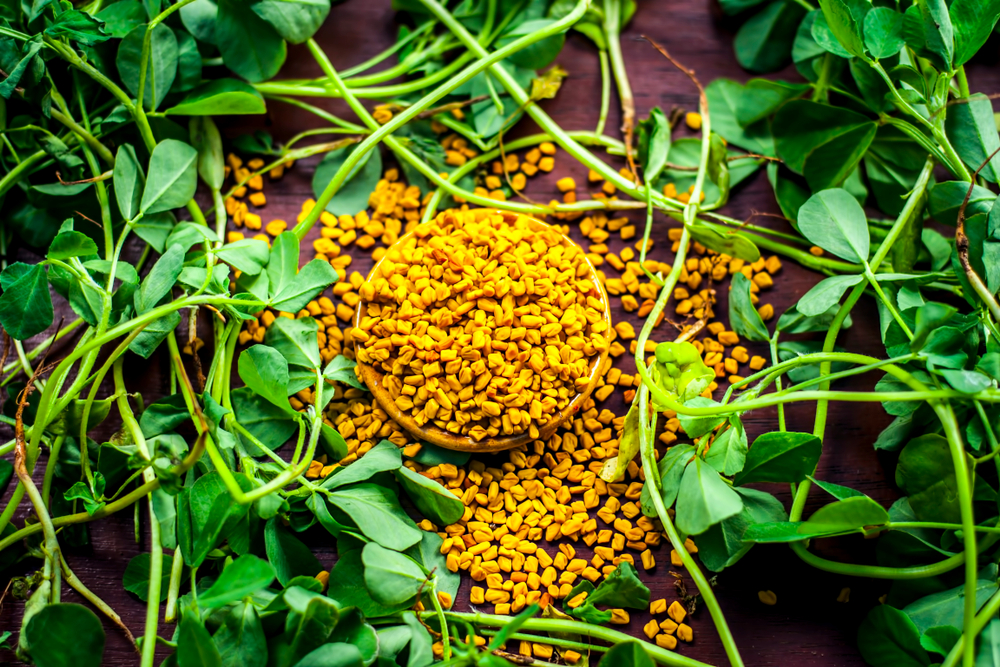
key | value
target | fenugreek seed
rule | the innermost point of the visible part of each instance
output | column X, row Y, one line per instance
column 767, row 597
column 677, row 612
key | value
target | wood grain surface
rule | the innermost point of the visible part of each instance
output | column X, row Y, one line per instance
column 807, row 627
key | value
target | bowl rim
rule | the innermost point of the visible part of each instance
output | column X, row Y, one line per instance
column 442, row 438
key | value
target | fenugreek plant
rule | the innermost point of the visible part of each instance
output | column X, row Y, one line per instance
column 94, row 96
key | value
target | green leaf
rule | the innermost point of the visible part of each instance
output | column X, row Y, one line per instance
column 845, row 24
column 221, row 97
column 989, row 646
column 695, row 426
column 973, row 132
column 433, row 500
column 729, row 242
column 129, row 181
column 883, row 32
column 840, row 518
column 722, row 545
column 836, row 490
column 295, row 20
column 314, row 277
column 743, row 316
column 312, row 617
column 938, row 34
column 703, row 499
column 195, row 647
column 150, row 338
column 654, row 143
column 205, row 513
column 25, row 305
column 162, row 67
column 621, row 588
column 794, row 322
column 973, row 21
column 940, row 639
column 945, row 608
column 850, row 514
column 930, row 317
column 926, row 474
column 383, row 457
column 249, row 45
column 725, row 98
column 271, row 425
column 283, row 261
column 247, row 255
column 352, row 196
column 728, row 452
column 432, row 455
column 155, row 229
column 207, row 141
column 172, row 177
column 78, row 26
column 69, row 243
column 6, row 473
column 826, row 294
column 833, row 220
column 888, row 637
column 347, row 586
column 65, row 635
column 823, row 143
column 136, row 577
column 296, row 340
column 947, row 197
column 781, row 457
column 240, row 639
column 377, row 513
column 189, row 66
column 764, row 43
column 120, row 18
column 199, row 18
column 341, row 369
column 265, row 371
column 161, row 278
column 289, row 556
column 353, row 631
column 9, row 85
column 391, row 577
column 334, row 654
column 626, row 654
column 247, row 574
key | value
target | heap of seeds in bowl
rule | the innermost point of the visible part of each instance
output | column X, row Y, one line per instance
column 483, row 323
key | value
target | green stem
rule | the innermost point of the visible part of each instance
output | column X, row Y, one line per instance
column 155, row 547
column 50, row 467
column 174, row 588
column 88, row 595
column 88, row 139
column 556, row 626
column 602, row 56
column 888, row 303
column 646, row 452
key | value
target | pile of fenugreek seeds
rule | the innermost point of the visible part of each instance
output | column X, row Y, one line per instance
column 482, row 324
column 486, row 328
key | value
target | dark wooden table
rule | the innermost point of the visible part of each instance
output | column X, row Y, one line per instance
column 807, row 627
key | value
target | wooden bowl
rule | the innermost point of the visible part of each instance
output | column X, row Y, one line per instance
column 438, row 436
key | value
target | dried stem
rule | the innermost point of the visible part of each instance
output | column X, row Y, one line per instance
column 962, row 244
